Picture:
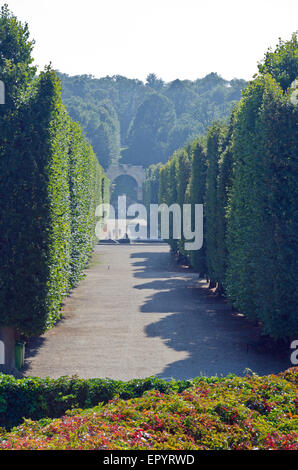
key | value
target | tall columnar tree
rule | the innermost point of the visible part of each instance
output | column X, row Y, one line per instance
column 214, row 148
column 151, row 188
column 183, row 168
column 16, row 72
column 196, row 195
column 246, row 176
column 262, row 214
column 225, row 167
column 167, row 193
column 244, row 205
column 275, row 257
column 262, row 235
column 50, row 185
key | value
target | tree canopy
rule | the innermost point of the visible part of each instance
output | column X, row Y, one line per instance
column 147, row 121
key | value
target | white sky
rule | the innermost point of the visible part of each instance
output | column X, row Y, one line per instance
column 172, row 38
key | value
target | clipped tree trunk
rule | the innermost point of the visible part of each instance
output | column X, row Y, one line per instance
column 7, row 348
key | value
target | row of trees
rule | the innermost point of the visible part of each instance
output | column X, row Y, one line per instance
column 245, row 174
column 50, row 185
column 150, row 119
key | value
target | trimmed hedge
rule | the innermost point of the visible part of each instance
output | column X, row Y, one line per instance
column 262, row 215
column 195, row 194
column 245, row 174
column 232, row 413
column 37, row 398
column 50, row 185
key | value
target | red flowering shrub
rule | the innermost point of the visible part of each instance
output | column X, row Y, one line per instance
column 234, row 413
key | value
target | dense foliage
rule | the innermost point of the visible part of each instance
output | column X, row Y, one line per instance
column 195, row 194
column 263, row 208
column 245, row 173
column 250, row 413
column 101, row 126
column 150, row 119
column 151, row 185
column 38, row 398
column 50, row 185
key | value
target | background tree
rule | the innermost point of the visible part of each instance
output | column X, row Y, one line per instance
column 150, row 130
column 154, row 82
column 101, row 125
column 282, row 64
column 194, row 105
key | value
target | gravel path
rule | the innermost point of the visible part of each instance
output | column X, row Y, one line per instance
column 136, row 315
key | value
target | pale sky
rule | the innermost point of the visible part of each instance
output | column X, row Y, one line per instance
column 184, row 39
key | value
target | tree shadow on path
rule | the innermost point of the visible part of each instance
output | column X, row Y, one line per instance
column 216, row 340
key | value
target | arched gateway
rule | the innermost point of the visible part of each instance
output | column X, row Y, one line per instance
column 136, row 172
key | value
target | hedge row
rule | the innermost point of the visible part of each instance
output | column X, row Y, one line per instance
column 37, row 398
column 245, row 174
column 50, row 185
column 234, row 413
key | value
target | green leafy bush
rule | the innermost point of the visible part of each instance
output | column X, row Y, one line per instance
column 232, row 413
column 38, row 398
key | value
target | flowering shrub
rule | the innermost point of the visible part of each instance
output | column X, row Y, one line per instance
column 233, row 413
column 37, row 398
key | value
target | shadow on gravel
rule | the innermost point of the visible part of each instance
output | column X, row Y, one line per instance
column 216, row 339
column 156, row 263
column 32, row 349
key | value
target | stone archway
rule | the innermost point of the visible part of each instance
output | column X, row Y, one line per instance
column 136, row 172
